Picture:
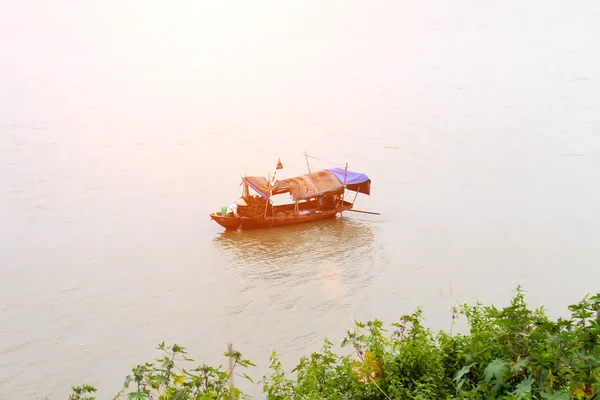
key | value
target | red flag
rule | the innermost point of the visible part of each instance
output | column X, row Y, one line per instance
column 279, row 165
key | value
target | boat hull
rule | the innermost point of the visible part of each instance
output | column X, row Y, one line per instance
column 244, row 223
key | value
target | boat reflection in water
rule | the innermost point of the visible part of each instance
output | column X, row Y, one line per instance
column 338, row 252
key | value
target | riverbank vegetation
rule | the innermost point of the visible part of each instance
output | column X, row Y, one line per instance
column 509, row 353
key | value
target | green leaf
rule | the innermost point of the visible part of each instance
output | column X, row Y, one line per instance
column 137, row 396
column 460, row 374
column 178, row 349
column 551, row 394
column 247, row 377
column 496, row 370
column 128, row 381
column 524, row 387
column 519, row 364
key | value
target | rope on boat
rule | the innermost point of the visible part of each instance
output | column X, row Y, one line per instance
column 328, row 162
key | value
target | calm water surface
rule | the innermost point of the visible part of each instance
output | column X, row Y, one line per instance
column 124, row 123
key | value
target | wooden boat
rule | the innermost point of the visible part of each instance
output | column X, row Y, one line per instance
column 316, row 196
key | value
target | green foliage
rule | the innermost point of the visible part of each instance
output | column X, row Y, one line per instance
column 81, row 392
column 164, row 380
column 167, row 379
column 276, row 386
column 509, row 353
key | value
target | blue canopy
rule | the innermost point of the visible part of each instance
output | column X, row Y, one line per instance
column 355, row 181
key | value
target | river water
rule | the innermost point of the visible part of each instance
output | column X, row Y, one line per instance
column 124, row 123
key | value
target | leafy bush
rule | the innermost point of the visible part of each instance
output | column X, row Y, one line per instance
column 509, row 353
column 166, row 379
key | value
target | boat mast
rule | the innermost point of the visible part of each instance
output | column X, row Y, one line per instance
column 307, row 164
column 271, row 185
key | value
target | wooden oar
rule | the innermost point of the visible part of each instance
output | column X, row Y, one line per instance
column 364, row 212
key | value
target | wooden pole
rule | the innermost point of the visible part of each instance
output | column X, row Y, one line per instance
column 365, row 212
column 307, row 164
column 356, row 195
column 345, row 174
column 342, row 196
column 267, row 205
column 270, row 191
column 231, row 387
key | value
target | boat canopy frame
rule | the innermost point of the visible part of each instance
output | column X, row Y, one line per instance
column 314, row 184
